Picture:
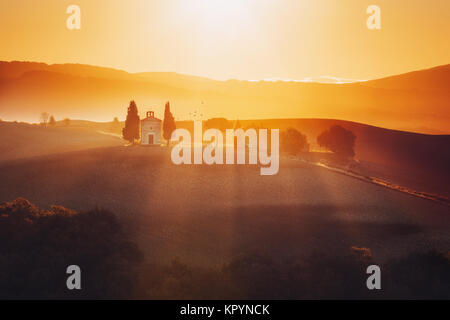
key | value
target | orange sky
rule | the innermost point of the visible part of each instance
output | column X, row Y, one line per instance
column 222, row 39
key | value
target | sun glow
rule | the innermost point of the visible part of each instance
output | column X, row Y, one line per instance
column 219, row 18
column 215, row 12
column 231, row 39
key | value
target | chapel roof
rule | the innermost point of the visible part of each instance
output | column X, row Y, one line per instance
column 151, row 117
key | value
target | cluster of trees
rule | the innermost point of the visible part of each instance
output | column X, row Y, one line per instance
column 132, row 123
column 337, row 139
column 317, row 275
column 47, row 120
column 37, row 246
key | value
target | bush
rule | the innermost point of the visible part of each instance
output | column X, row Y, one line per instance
column 37, row 246
column 293, row 142
column 338, row 140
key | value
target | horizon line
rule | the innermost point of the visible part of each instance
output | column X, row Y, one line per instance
column 329, row 79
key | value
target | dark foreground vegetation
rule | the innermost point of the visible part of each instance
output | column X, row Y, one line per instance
column 37, row 245
column 418, row 276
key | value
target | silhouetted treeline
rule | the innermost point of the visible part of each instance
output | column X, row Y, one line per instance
column 320, row 275
column 37, row 246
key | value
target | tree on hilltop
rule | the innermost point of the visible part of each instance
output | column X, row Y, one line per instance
column 66, row 122
column 52, row 121
column 293, row 142
column 131, row 130
column 338, row 140
column 44, row 119
column 169, row 125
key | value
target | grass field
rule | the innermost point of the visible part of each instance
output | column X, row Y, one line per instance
column 228, row 232
column 207, row 214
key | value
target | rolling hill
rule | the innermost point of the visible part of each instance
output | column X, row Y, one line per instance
column 416, row 161
column 22, row 140
column 211, row 216
column 417, row 101
column 437, row 78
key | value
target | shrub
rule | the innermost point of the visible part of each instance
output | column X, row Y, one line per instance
column 293, row 142
column 338, row 140
column 37, row 246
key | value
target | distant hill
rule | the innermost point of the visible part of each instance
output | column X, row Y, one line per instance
column 15, row 69
column 437, row 78
column 417, row 101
